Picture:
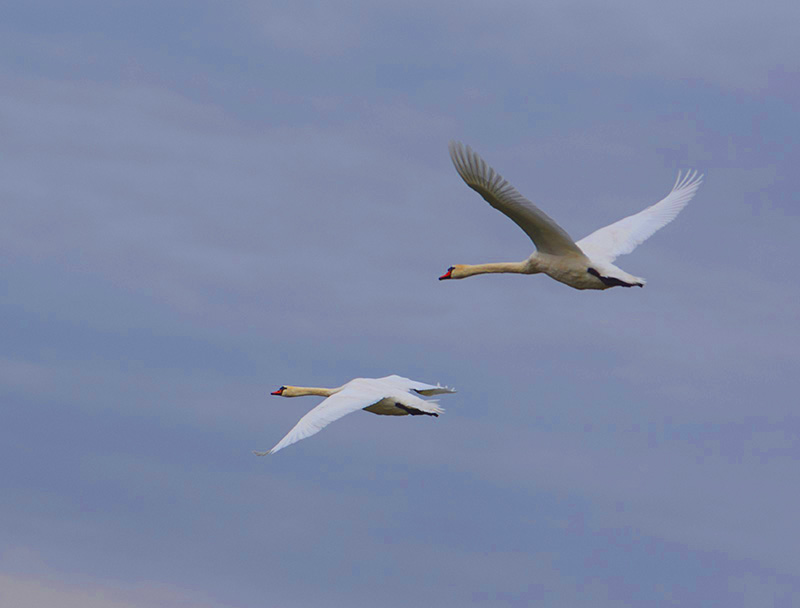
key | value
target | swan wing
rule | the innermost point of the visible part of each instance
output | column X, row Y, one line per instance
column 422, row 388
column 349, row 399
column 548, row 236
column 619, row 238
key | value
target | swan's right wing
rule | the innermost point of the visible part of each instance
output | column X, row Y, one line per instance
column 421, row 388
column 334, row 407
column 548, row 236
column 619, row 238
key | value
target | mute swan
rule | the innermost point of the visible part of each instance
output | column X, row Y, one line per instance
column 389, row 396
column 586, row 264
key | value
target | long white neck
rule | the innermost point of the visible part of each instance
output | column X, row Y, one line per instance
column 467, row 270
column 302, row 391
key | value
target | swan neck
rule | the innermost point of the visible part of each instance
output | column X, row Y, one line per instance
column 497, row 267
column 303, row 391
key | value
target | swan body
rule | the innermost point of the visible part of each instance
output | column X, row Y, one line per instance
column 587, row 264
column 389, row 396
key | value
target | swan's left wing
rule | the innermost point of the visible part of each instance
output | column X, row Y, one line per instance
column 619, row 238
column 334, row 407
column 545, row 233
column 421, row 388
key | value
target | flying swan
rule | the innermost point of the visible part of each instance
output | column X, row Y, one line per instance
column 389, row 396
column 586, row 264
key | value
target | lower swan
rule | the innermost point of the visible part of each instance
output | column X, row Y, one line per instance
column 389, row 396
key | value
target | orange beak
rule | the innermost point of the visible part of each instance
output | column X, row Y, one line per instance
column 446, row 275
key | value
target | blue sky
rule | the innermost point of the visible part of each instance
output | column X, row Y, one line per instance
column 203, row 201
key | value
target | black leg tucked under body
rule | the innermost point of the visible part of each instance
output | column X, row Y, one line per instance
column 414, row 411
column 610, row 281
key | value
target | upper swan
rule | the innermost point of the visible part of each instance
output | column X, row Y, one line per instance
column 586, row 264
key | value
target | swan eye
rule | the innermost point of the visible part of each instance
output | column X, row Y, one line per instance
column 451, row 269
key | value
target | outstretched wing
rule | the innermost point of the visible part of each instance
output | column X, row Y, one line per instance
column 619, row 238
column 548, row 236
column 407, row 384
column 334, row 407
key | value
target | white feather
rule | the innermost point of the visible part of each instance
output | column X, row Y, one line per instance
column 380, row 395
column 622, row 237
column 586, row 264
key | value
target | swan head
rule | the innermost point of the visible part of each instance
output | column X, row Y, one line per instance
column 295, row 391
column 454, row 272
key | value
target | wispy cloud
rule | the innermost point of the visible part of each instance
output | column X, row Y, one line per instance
column 33, row 592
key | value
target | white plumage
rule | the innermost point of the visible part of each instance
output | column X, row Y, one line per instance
column 389, row 396
column 586, row 264
column 622, row 237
